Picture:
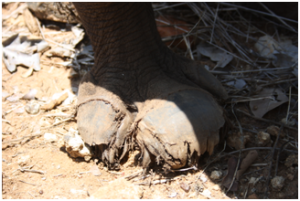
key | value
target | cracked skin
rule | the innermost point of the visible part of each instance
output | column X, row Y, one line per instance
column 141, row 92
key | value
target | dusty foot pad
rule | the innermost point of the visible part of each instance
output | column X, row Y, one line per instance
column 178, row 130
column 105, row 128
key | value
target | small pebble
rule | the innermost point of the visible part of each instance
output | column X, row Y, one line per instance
column 20, row 110
column 173, row 195
column 74, row 191
column 291, row 159
column 290, row 177
column 43, row 122
column 216, row 187
column 13, row 98
column 41, row 192
column 277, row 182
column 24, row 160
column 32, row 108
column 273, row 130
column 206, row 193
column 185, row 186
column 203, row 178
column 4, row 95
column 287, row 122
column 50, row 137
column 216, row 174
column 192, row 195
column 44, row 178
column 30, row 95
column 58, row 167
column 263, row 138
column 292, row 170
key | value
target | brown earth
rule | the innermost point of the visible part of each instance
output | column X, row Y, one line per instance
column 52, row 173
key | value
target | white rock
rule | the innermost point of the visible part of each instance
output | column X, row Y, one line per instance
column 277, row 182
column 50, row 137
column 74, row 191
column 32, row 108
column 206, row 193
column 216, row 174
column 43, row 122
column 20, row 110
column 288, row 122
column 216, row 187
column 203, row 178
column 70, row 98
column 173, row 195
column 30, row 95
column 24, row 160
column 73, row 132
column 263, row 138
column 76, row 147
column 192, row 195
column 5, row 95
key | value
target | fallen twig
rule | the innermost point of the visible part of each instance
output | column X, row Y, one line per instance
column 278, row 82
column 51, row 41
column 29, row 170
column 22, row 138
column 19, row 9
column 239, row 161
column 242, row 150
column 166, row 7
column 256, row 11
column 288, row 110
column 9, row 111
column 235, row 172
column 60, row 115
column 156, row 182
column 212, row 161
column 57, row 123
column 271, row 162
column 27, row 183
column 268, row 121
column 186, row 169
column 129, row 177
column 6, row 121
column 259, row 164
column 249, row 71
column 279, row 18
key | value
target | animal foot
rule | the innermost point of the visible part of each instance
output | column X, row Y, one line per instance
column 174, row 131
column 103, row 122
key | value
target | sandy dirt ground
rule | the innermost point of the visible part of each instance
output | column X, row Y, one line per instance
column 35, row 167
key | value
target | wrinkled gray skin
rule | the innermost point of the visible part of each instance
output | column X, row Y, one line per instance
column 138, row 90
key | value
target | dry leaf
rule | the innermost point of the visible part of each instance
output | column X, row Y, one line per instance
column 31, row 22
column 246, row 162
column 274, row 98
column 30, row 95
column 28, row 72
column 215, row 54
column 56, row 101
